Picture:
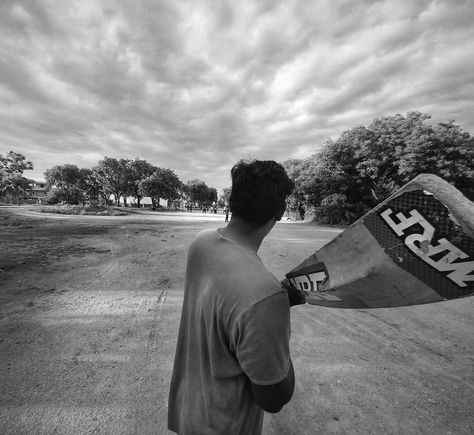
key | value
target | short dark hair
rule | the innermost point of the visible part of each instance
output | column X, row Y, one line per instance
column 259, row 191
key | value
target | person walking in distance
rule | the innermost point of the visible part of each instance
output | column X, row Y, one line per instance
column 226, row 211
column 232, row 358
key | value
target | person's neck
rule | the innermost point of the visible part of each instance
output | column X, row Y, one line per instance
column 245, row 234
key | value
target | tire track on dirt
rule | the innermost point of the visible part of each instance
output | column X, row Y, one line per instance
column 154, row 326
column 148, row 384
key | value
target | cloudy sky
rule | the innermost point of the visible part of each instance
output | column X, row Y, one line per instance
column 195, row 85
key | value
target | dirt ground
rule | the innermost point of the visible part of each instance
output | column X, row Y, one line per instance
column 89, row 311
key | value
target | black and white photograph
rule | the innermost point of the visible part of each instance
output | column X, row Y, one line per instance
column 236, row 217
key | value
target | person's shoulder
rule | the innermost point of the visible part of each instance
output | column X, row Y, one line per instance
column 257, row 282
column 207, row 233
column 204, row 237
column 268, row 284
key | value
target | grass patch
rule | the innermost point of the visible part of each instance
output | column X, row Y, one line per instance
column 93, row 210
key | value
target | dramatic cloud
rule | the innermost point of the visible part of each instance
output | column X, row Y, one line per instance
column 196, row 85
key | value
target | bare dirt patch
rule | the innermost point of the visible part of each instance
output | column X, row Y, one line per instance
column 84, row 342
column 89, row 311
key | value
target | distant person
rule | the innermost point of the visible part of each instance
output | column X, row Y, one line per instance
column 232, row 357
column 301, row 210
column 226, row 211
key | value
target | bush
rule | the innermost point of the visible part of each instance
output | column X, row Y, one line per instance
column 334, row 210
column 54, row 196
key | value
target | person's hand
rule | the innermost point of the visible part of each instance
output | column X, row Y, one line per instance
column 295, row 296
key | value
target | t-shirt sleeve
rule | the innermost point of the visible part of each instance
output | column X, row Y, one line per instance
column 263, row 340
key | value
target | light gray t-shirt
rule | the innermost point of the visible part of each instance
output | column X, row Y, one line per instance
column 235, row 326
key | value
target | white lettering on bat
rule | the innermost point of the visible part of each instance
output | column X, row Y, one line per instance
column 420, row 244
column 309, row 282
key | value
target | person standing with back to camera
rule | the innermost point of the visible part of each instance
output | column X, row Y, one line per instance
column 232, row 358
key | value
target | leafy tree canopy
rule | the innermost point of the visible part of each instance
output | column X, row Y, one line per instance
column 224, row 198
column 12, row 182
column 113, row 175
column 67, row 178
column 365, row 165
column 63, row 176
column 163, row 183
column 138, row 170
column 14, row 163
column 198, row 191
column 16, row 185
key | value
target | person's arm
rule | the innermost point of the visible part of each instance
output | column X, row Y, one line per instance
column 272, row 398
column 262, row 346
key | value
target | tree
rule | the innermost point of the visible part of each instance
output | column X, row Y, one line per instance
column 54, row 195
column 113, row 177
column 334, row 210
column 16, row 185
column 163, row 183
column 88, row 184
column 224, row 198
column 14, row 163
column 444, row 150
column 12, row 167
column 294, row 168
column 212, row 194
column 199, row 192
column 367, row 164
column 332, row 171
column 65, row 177
column 138, row 170
column 381, row 146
